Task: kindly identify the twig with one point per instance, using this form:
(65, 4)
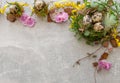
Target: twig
(95, 75)
(89, 54)
(105, 50)
(95, 51)
(78, 61)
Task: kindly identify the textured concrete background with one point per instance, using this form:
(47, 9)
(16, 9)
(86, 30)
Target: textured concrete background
(46, 53)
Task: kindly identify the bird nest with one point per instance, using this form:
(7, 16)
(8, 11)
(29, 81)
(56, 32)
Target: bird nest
(98, 23)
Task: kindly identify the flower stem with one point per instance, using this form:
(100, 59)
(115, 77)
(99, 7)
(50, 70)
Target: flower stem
(95, 75)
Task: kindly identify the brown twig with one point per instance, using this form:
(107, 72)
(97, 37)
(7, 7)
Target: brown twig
(89, 54)
(78, 61)
(95, 51)
(105, 50)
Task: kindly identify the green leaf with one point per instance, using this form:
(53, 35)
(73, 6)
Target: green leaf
(85, 1)
(100, 8)
(86, 33)
(109, 21)
(93, 4)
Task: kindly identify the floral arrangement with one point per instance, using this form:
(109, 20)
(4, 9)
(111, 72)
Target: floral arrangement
(98, 23)
(16, 11)
(60, 11)
(95, 21)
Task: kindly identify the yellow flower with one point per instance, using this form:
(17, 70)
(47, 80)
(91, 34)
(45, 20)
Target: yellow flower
(73, 11)
(80, 6)
(115, 33)
(117, 41)
(73, 4)
(2, 10)
(77, 8)
(23, 4)
(65, 4)
(83, 6)
(55, 3)
(58, 5)
(119, 44)
(70, 3)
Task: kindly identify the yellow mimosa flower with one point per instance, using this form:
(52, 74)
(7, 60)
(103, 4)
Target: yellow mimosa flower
(69, 3)
(119, 44)
(62, 5)
(65, 4)
(117, 40)
(73, 11)
(73, 4)
(57, 5)
(83, 6)
(23, 4)
(4, 8)
(79, 6)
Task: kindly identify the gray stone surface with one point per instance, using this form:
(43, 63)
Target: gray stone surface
(46, 53)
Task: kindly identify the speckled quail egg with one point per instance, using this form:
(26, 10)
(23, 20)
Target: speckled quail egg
(86, 20)
(97, 17)
(39, 4)
(98, 26)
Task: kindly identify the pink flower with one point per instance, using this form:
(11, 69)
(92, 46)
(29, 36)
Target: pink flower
(61, 17)
(27, 20)
(65, 15)
(23, 17)
(103, 64)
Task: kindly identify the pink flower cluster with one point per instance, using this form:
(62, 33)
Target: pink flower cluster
(61, 17)
(27, 20)
(103, 64)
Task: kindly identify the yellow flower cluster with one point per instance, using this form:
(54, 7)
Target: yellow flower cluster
(65, 4)
(115, 33)
(69, 4)
(72, 21)
(118, 42)
(78, 7)
(2, 10)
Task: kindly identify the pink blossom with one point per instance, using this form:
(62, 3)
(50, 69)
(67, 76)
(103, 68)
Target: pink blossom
(23, 17)
(103, 64)
(61, 17)
(27, 20)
